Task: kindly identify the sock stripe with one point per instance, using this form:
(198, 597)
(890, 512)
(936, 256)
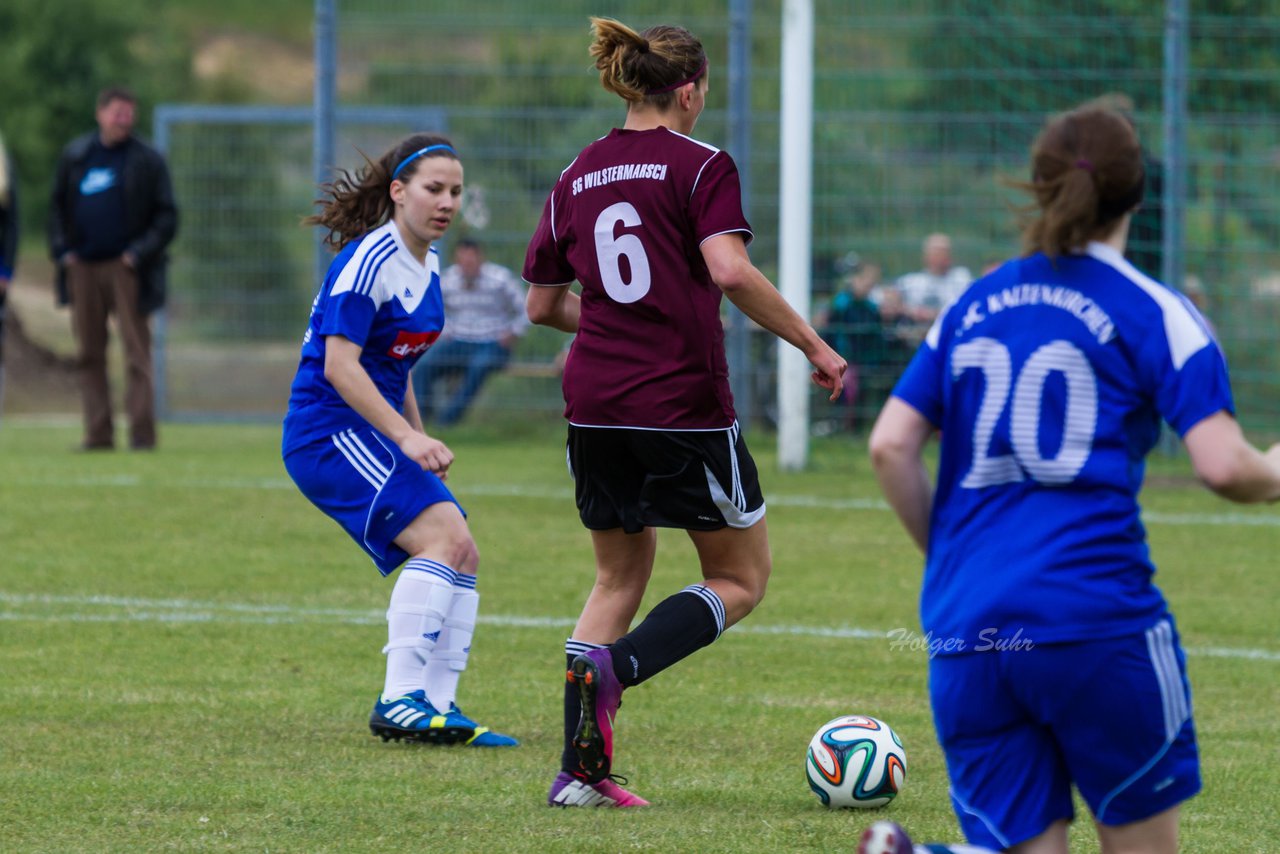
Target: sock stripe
(439, 570)
(577, 647)
(707, 595)
(464, 580)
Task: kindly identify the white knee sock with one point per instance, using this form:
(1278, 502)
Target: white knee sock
(419, 602)
(449, 658)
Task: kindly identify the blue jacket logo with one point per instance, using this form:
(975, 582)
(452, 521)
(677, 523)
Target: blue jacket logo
(97, 181)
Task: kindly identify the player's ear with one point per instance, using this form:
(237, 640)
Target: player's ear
(396, 191)
(685, 94)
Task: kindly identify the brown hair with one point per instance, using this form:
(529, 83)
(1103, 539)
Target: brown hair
(1086, 173)
(358, 203)
(646, 66)
(115, 93)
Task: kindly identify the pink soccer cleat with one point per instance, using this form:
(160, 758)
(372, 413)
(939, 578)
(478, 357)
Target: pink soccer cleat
(570, 791)
(885, 837)
(601, 694)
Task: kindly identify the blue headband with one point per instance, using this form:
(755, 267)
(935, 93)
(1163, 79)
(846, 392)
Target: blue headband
(440, 146)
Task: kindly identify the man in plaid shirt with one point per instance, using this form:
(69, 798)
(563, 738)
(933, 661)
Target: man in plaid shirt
(484, 315)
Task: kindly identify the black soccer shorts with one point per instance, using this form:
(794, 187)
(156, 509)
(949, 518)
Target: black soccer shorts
(698, 480)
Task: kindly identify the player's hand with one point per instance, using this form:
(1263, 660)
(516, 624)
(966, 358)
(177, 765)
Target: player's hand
(1272, 456)
(829, 367)
(432, 454)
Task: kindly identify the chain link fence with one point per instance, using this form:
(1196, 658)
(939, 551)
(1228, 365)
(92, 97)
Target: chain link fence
(923, 108)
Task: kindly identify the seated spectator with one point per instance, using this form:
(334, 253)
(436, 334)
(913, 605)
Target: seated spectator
(926, 292)
(484, 316)
(851, 323)
(855, 328)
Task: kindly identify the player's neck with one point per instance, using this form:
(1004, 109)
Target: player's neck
(1118, 238)
(643, 119)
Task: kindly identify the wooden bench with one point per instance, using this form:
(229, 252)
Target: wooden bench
(532, 369)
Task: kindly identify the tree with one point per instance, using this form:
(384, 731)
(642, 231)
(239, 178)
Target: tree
(58, 55)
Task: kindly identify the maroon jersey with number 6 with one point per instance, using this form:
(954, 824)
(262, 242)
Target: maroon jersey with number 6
(626, 220)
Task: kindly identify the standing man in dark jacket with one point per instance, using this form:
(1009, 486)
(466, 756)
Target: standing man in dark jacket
(112, 215)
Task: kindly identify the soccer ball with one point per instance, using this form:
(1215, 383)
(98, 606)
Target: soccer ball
(856, 761)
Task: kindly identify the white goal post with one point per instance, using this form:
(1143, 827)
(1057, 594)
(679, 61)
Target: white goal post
(795, 216)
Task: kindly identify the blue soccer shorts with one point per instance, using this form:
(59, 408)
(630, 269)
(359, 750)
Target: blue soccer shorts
(1020, 727)
(366, 484)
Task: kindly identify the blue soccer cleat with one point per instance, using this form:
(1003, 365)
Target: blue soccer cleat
(481, 736)
(413, 718)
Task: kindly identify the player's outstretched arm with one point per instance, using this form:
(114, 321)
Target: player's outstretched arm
(1229, 465)
(750, 290)
(897, 445)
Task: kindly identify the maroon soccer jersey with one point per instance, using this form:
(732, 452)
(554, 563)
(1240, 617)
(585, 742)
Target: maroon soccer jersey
(626, 220)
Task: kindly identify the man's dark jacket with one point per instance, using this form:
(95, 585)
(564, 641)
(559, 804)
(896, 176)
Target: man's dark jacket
(151, 217)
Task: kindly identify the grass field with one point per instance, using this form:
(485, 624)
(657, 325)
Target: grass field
(189, 652)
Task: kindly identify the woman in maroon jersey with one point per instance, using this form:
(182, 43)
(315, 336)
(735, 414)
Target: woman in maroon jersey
(650, 222)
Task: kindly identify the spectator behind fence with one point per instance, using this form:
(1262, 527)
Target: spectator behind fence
(111, 218)
(926, 292)
(8, 242)
(484, 304)
(856, 329)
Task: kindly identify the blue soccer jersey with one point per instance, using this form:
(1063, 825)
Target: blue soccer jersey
(377, 295)
(1048, 380)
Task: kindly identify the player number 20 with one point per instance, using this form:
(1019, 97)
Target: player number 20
(611, 249)
(992, 358)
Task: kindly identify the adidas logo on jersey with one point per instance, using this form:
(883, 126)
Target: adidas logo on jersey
(408, 294)
(432, 636)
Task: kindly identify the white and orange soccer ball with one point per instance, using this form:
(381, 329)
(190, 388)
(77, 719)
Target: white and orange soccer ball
(856, 761)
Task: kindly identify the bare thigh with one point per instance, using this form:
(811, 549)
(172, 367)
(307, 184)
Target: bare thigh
(1155, 835)
(440, 533)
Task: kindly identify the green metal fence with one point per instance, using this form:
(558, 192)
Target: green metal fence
(923, 107)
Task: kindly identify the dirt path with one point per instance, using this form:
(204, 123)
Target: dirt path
(39, 363)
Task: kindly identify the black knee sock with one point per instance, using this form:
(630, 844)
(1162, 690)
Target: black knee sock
(677, 627)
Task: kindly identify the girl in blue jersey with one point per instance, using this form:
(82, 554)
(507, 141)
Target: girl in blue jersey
(1057, 661)
(353, 439)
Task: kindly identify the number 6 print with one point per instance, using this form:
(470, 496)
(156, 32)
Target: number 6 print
(609, 249)
(992, 358)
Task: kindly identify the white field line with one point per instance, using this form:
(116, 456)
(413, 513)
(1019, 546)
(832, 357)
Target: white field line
(1151, 517)
(28, 607)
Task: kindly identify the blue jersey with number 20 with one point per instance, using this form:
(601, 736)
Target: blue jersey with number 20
(1048, 380)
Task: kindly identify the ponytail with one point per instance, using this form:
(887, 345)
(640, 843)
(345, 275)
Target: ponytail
(647, 66)
(1086, 173)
